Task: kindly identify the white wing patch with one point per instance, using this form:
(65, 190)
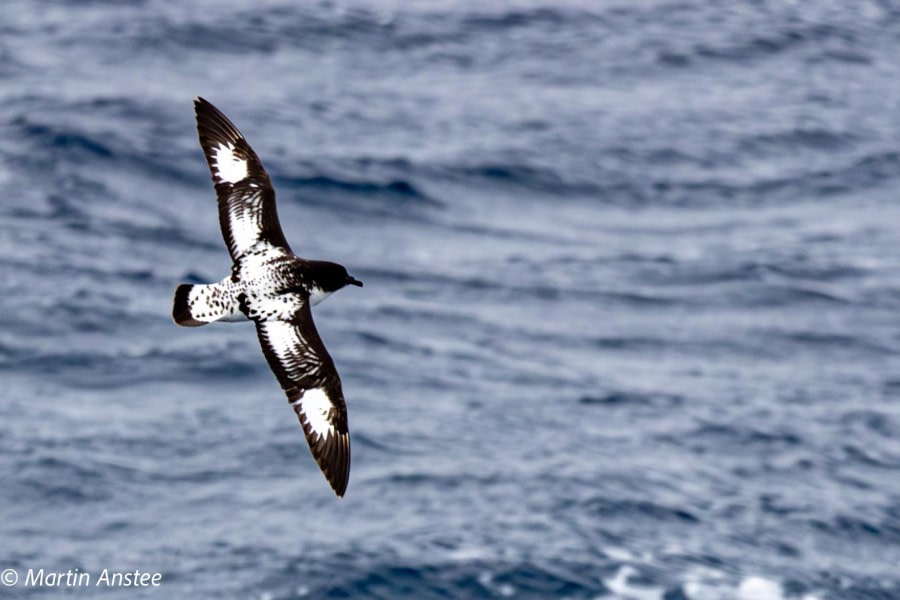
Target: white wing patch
(314, 408)
(229, 167)
(286, 341)
(243, 220)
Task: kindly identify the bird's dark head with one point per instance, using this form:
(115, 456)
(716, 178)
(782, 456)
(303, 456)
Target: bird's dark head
(330, 277)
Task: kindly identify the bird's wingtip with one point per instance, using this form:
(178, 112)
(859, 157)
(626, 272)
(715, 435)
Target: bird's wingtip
(201, 103)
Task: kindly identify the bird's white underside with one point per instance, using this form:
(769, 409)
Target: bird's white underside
(214, 302)
(316, 295)
(229, 167)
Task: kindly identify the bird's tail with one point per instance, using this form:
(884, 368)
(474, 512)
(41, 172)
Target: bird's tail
(197, 305)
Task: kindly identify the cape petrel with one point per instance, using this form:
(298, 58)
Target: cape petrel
(275, 289)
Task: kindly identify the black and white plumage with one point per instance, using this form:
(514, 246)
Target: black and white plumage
(275, 289)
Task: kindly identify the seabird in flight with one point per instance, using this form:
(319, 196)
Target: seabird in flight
(275, 289)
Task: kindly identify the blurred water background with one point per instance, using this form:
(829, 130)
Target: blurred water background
(630, 319)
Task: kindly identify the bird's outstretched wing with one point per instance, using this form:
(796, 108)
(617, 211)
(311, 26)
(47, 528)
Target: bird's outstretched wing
(246, 199)
(304, 369)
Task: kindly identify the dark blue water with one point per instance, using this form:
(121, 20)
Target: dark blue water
(629, 329)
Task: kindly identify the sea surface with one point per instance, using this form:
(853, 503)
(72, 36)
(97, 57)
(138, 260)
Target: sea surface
(630, 326)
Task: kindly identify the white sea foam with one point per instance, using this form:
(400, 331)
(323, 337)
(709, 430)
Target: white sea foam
(758, 588)
(622, 588)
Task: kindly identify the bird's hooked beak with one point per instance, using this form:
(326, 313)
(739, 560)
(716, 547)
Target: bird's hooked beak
(352, 281)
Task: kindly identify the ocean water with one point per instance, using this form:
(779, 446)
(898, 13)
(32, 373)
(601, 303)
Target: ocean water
(630, 326)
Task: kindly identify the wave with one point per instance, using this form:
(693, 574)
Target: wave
(88, 366)
(518, 175)
(69, 141)
(462, 578)
(793, 140)
(868, 422)
(607, 508)
(742, 436)
(58, 481)
(396, 198)
(852, 174)
(780, 40)
(380, 28)
(847, 528)
(627, 398)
